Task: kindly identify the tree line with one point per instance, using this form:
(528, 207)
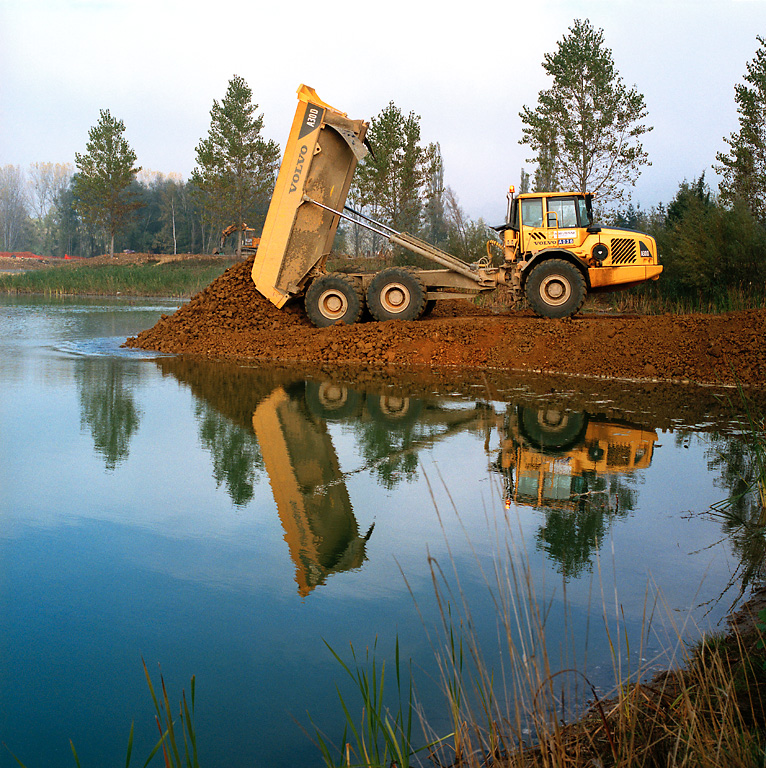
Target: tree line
(584, 133)
(106, 202)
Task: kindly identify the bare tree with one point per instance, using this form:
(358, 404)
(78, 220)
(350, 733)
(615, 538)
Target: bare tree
(14, 213)
(46, 182)
(466, 238)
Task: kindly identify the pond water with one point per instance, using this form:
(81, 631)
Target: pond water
(231, 522)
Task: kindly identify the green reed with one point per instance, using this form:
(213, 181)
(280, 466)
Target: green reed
(172, 279)
(710, 711)
(173, 733)
(380, 736)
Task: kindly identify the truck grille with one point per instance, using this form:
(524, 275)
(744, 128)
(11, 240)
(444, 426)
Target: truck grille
(623, 251)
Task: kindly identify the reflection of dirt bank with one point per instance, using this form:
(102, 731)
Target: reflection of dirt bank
(230, 320)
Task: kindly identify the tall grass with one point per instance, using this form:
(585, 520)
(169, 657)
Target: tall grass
(654, 300)
(651, 300)
(172, 279)
(383, 734)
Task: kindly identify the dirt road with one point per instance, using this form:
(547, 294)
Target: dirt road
(230, 320)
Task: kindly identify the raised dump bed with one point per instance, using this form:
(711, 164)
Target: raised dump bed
(321, 155)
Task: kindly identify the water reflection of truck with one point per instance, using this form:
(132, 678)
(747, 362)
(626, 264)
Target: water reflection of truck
(551, 456)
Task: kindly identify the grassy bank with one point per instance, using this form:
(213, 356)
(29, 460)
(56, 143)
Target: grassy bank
(185, 277)
(709, 713)
(176, 279)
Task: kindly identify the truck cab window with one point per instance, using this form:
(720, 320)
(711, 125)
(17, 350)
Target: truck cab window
(583, 212)
(564, 208)
(532, 212)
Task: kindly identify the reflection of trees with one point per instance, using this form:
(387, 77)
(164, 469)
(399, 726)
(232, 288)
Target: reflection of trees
(107, 407)
(236, 456)
(226, 396)
(393, 430)
(392, 455)
(572, 536)
(742, 513)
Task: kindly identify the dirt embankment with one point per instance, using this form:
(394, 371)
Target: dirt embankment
(230, 320)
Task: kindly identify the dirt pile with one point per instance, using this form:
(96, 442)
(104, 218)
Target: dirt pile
(231, 320)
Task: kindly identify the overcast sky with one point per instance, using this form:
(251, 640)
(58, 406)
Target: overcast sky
(466, 68)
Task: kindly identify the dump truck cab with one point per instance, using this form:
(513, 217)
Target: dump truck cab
(551, 456)
(562, 255)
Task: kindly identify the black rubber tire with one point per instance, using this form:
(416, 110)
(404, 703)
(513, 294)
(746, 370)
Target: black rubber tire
(332, 401)
(555, 288)
(552, 429)
(428, 308)
(334, 298)
(396, 294)
(394, 411)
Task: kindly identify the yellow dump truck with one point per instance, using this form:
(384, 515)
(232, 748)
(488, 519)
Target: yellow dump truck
(552, 252)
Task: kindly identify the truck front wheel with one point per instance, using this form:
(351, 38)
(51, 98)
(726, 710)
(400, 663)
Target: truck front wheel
(555, 288)
(552, 428)
(396, 294)
(334, 298)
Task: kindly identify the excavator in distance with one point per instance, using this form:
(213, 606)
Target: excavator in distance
(553, 254)
(249, 240)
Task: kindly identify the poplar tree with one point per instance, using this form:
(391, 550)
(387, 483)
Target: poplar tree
(105, 173)
(434, 216)
(236, 166)
(744, 167)
(585, 129)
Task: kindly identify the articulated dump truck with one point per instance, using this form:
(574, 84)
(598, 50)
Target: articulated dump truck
(551, 251)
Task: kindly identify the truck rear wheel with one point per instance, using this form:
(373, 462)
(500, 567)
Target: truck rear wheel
(334, 298)
(393, 411)
(555, 288)
(396, 294)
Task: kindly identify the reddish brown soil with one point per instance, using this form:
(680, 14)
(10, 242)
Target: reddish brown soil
(230, 320)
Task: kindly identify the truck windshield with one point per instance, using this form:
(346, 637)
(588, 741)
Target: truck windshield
(532, 212)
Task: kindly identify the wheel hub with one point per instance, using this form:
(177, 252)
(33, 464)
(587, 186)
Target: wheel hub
(395, 298)
(555, 290)
(332, 395)
(333, 304)
(394, 406)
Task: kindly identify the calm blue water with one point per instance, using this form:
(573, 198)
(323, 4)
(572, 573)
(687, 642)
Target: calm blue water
(228, 522)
